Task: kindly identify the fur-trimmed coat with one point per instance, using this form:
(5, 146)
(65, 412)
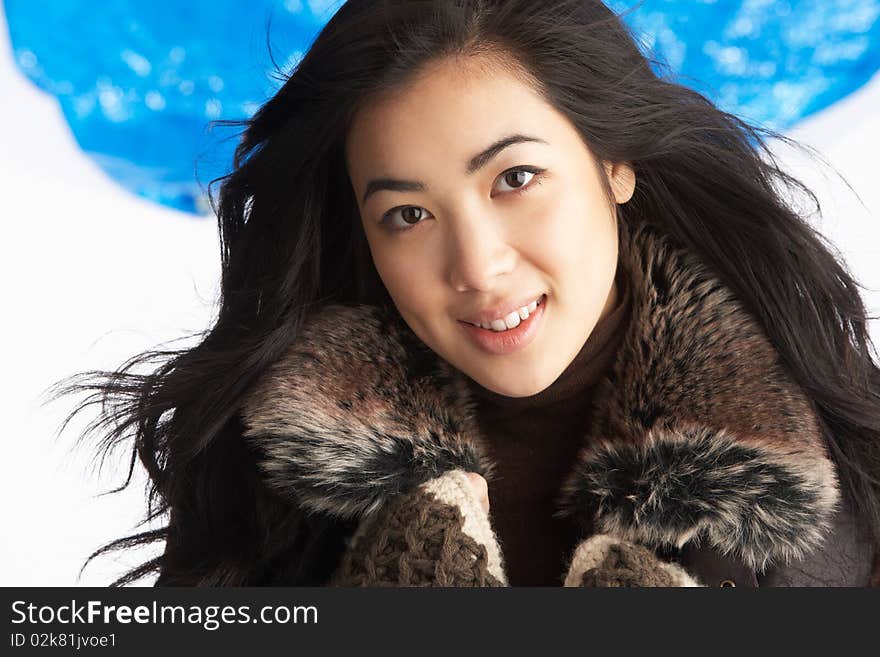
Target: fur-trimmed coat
(704, 465)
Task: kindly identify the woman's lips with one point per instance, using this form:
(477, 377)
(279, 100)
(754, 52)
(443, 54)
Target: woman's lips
(511, 340)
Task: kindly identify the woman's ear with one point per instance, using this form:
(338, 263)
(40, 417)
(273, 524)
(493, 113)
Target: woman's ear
(622, 179)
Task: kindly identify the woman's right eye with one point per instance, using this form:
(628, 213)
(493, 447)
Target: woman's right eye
(410, 215)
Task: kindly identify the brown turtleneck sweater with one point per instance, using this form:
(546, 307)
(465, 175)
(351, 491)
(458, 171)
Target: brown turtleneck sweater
(534, 441)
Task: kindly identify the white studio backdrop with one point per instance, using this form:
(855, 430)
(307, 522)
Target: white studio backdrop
(92, 275)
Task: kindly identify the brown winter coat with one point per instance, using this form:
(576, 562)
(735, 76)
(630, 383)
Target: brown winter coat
(704, 464)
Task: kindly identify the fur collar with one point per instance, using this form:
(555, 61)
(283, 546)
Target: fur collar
(698, 433)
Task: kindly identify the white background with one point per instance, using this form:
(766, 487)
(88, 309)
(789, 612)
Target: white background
(92, 275)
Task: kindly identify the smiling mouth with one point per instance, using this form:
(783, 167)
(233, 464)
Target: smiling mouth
(509, 340)
(528, 310)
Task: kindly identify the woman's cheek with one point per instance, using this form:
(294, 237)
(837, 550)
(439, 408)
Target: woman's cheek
(554, 241)
(407, 277)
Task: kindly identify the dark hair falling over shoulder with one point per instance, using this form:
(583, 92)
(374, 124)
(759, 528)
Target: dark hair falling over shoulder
(291, 239)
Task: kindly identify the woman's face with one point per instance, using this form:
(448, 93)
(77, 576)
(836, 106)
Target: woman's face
(457, 227)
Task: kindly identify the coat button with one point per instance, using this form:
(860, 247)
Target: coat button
(727, 582)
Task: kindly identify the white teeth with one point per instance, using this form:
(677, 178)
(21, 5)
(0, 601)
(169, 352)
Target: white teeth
(512, 319)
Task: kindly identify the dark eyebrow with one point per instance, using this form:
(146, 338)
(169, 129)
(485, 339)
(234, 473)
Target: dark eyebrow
(392, 185)
(477, 162)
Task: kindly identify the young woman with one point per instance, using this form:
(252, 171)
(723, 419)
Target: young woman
(501, 306)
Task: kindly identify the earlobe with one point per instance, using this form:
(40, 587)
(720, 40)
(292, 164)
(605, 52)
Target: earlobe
(623, 181)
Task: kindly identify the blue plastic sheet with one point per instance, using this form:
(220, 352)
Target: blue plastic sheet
(138, 82)
(771, 62)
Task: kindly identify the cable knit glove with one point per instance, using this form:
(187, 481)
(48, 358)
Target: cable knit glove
(435, 535)
(603, 560)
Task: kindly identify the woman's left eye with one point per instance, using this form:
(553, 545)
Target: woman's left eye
(518, 179)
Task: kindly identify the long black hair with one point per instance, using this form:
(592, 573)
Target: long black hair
(290, 240)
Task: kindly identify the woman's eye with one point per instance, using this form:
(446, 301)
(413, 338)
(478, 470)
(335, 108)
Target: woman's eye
(405, 217)
(409, 216)
(517, 178)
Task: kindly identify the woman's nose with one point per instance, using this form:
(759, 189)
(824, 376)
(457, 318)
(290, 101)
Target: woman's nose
(478, 254)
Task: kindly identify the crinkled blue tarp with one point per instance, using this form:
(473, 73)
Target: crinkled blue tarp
(139, 81)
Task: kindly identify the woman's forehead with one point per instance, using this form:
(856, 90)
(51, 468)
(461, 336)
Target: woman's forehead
(445, 116)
